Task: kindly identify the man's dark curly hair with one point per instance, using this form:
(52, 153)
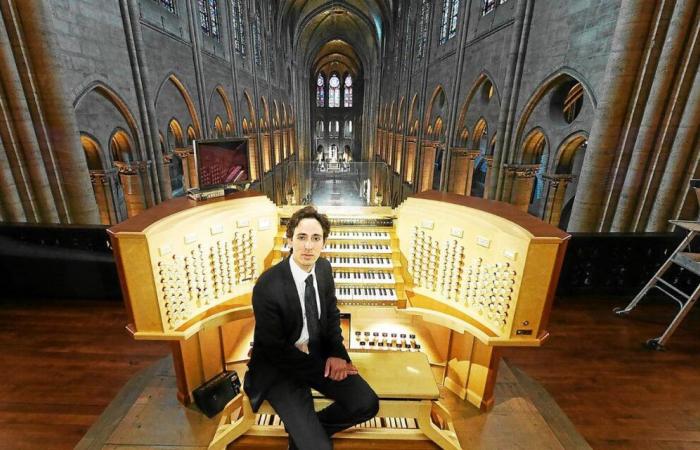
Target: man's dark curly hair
(308, 212)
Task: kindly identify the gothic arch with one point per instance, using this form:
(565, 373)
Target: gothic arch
(480, 135)
(461, 127)
(567, 150)
(187, 98)
(412, 120)
(175, 130)
(436, 106)
(227, 104)
(399, 115)
(250, 125)
(535, 145)
(115, 100)
(93, 151)
(121, 146)
(551, 82)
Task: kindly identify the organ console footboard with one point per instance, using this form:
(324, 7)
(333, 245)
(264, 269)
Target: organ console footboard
(453, 277)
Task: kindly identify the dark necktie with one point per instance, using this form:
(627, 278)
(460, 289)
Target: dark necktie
(312, 322)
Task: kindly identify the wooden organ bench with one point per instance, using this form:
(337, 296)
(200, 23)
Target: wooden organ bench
(407, 394)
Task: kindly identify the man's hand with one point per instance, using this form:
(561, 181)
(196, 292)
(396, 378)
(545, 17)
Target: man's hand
(337, 369)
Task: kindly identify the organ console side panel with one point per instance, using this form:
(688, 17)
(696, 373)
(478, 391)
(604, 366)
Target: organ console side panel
(187, 269)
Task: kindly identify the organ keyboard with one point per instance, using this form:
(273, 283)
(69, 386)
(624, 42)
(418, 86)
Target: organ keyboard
(364, 277)
(462, 276)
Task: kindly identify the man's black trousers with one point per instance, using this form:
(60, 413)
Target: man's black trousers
(355, 402)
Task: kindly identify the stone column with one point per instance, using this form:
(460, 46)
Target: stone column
(681, 165)
(518, 181)
(654, 138)
(459, 171)
(40, 137)
(254, 163)
(183, 154)
(166, 182)
(398, 152)
(131, 177)
(285, 139)
(617, 87)
(389, 148)
(411, 145)
(277, 144)
(489, 175)
(104, 184)
(556, 192)
(426, 165)
(266, 152)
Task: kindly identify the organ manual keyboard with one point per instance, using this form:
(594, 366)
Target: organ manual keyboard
(455, 278)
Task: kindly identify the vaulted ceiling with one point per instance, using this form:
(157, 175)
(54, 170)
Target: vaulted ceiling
(341, 34)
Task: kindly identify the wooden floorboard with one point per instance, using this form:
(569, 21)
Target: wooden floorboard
(65, 361)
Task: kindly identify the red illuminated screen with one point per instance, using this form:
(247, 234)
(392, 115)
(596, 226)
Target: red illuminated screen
(222, 162)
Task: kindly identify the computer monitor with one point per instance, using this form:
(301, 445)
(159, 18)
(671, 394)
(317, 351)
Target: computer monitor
(221, 162)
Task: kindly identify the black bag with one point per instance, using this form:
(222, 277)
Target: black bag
(212, 396)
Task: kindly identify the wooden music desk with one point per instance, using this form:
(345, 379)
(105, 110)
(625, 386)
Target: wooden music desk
(404, 384)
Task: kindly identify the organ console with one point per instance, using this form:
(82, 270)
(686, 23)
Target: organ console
(453, 277)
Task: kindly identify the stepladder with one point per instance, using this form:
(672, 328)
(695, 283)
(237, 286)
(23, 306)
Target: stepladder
(684, 257)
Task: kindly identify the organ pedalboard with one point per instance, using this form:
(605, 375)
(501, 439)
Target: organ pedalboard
(453, 277)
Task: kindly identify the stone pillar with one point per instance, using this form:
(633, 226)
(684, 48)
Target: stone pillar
(166, 182)
(459, 171)
(489, 175)
(266, 152)
(104, 184)
(654, 138)
(41, 140)
(390, 148)
(183, 154)
(556, 185)
(285, 143)
(427, 165)
(398, 152)
(411, 146)
(131, 177)
(617, 87)
(518, 181)
(254, 163)
(673, 187)
(378, 137)
(277, 144)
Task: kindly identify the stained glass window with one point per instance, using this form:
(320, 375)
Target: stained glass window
(214, 17)
(487, 6)
(203, 16)
(334, 92)
(347, 129)
(448, 26)
(320, 91)
(239, 37)
(422, 31)
(257, 38)
(168, 4)
(347, 95)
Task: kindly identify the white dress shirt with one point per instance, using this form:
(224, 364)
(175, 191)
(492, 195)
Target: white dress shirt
(300, 276)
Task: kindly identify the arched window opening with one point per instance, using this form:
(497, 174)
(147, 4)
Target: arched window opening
(191, 135)
(169, 5)
(334, 91)
(422, 32)
(175, 134)
(219, 127)
(347, 129)
(257, 38)
(448, 26)
(347, 95)
(319, 128)
(573, 102)
(487, 6)
(239, 36)
(120, 147)
(481, 131)
(92, 152)
(209, 17)
(320, 85)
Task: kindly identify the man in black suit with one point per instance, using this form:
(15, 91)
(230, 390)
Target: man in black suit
(298, 344)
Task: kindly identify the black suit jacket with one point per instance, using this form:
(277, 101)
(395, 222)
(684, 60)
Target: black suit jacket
(278, 324)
